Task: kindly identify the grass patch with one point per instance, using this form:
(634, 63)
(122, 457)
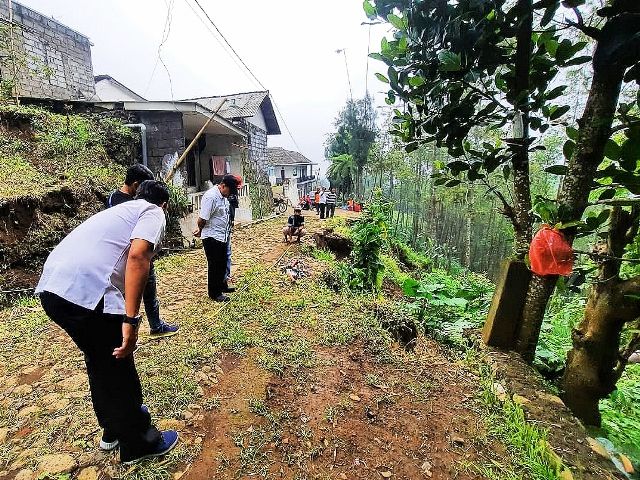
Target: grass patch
(18, 177)
(621, 413)
(530, 455)
(322, 254)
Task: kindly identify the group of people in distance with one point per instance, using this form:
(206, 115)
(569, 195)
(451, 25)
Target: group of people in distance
(95, 279)
(324, 202)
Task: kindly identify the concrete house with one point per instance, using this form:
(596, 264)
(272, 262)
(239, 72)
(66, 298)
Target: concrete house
(291, 170)
(56, 70)
(235, 141)
(44, 58)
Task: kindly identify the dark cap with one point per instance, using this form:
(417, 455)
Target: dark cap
(233, 182)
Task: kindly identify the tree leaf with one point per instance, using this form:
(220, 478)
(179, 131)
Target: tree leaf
(458, 165)
(612, 150)
(416, 81)
(578, 61)
(382, 78)
(452, 183)
(396, 21)
(449, 61)
(607, 194)
(556, 169)
(572, 133)
(410, 287)
(369, 10)
(558, 112)
(568, 149)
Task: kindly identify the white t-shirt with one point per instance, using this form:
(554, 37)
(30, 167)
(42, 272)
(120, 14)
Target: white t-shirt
(90, 262)
(323, 197)
(214, 208)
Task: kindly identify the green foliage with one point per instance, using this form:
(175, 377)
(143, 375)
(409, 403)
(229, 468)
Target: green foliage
(563, 314)
(322, 254)
(343, 172)
(350, 145)
(177, 210)
(368, 234)
(408, 256)
(42, 151)
(446, 305)
(392, 270)
(621, 413)
(18, 177)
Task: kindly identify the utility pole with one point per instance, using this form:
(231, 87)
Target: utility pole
(346, 65)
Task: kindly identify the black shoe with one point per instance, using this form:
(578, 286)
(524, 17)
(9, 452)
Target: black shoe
(221, 298)
(168, 441)
(228, 289)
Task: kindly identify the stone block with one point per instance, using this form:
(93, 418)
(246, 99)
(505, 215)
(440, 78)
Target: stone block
(506, 307)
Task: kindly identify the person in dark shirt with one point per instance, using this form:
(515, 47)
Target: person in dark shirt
(233, 204)
(136, 174)
(295, 226)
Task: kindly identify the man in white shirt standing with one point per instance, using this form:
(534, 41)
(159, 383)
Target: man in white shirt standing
(213, 228)
(323, 202)
(91, 285)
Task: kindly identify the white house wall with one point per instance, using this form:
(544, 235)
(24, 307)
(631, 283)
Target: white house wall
(258, 120)
(107, 91)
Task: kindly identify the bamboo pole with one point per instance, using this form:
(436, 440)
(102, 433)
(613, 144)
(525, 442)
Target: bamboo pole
(173, 170)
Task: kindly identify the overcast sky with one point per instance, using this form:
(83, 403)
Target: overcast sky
(290, 45)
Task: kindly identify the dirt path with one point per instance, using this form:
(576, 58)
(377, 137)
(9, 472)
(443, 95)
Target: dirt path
(290, 380)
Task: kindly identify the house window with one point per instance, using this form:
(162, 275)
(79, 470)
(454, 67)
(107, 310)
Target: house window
(272, 172)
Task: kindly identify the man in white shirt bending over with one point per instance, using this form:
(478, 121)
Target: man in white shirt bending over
(91, 285)
(213, 228)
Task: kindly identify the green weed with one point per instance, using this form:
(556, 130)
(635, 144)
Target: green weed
(530, 455)
(621, 413)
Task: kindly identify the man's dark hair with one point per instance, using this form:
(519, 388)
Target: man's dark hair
(153, 191)
(138, 173)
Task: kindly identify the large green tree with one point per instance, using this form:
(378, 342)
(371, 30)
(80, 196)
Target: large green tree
(460, 65)
(354, 136)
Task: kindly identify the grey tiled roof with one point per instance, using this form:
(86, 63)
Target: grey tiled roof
(280, 156)
(238, 105)
(243, 105)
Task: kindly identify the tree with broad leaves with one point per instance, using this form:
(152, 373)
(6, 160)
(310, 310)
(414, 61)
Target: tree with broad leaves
(355, 134)
(459, 65)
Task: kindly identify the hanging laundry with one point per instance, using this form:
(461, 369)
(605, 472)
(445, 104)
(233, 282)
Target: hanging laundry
(218, 164)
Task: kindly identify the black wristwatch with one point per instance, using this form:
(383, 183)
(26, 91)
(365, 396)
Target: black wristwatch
(132, 320)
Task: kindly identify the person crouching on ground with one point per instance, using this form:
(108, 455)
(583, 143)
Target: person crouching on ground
(91, 285)
(136, 174)
(213, 228)
(295, 226)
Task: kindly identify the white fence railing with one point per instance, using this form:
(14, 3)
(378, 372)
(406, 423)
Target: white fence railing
(196, 198)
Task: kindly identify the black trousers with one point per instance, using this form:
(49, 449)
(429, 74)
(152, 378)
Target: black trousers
(322, 209)
(114, 383)
(216, 253)
(331, 209)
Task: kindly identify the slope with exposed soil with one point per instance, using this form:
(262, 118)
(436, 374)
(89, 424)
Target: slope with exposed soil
(289, 380)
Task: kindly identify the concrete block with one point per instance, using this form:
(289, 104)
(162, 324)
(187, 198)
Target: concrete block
(506, 308)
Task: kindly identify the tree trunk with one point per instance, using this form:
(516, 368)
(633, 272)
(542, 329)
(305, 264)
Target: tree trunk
(573, 196)
(595, 364)
(467, 243)
(596, 341)
(520, 99)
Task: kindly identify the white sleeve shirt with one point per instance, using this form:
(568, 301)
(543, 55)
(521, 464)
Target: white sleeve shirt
(214, 209)
(323, 197)
(89, 264)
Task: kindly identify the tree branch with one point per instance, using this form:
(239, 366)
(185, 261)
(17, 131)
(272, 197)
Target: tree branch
(507, 210)
(587, 30)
